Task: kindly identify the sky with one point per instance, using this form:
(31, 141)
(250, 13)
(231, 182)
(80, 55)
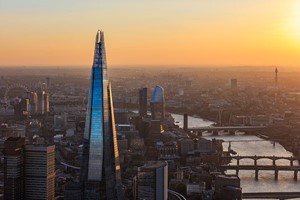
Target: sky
(156, 32)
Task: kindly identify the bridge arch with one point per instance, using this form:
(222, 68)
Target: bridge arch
(248, 159)
(289, 159)
(268, 160)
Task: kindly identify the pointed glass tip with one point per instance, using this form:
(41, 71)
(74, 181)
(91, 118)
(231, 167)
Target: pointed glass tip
(98, 36)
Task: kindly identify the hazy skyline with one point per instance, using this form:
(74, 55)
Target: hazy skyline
(158, 32)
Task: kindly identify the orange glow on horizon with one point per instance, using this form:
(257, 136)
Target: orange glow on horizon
(171, 34)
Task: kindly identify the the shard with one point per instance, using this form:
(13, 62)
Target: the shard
(100, 171)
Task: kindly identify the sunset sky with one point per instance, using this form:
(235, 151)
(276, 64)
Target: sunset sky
(151, 32)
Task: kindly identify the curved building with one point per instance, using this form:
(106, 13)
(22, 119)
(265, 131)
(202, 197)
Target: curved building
(157, 104)
(100, 171)
(152, 181)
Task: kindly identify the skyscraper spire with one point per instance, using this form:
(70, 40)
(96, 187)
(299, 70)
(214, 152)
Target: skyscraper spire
(100, 171)
(100, 54)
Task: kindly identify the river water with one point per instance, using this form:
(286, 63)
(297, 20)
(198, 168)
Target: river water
(192, 121)
(266, 182)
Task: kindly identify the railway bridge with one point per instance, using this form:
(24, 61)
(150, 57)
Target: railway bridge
(255, 167)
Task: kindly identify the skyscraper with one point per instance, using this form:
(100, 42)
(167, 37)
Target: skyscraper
(40, 101)
(157, 104)
(48, 82)
(33, 99)
(233, 83)
(143, 102)
(29, 170)
(46, 103)
(14, 168)
(100, 171)
(152, 181)
(39, 167)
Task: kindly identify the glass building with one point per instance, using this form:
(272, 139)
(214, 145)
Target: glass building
(100, 171)
(152, 181)
(157, 104)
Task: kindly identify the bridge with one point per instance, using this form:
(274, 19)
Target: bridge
(258, 168)
(230, 129)
(255, 158)
(271, 195)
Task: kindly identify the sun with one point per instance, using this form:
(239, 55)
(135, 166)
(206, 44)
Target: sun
(293, 21)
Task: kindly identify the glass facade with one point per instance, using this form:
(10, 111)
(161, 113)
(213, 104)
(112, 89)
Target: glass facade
(157, 104)
(152, 181)
(100, 172)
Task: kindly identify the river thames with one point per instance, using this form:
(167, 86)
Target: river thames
(266, 182)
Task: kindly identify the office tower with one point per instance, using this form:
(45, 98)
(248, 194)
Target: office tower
(233, 83)
(39, 168)
(13, 168)
(48, 82)
(46, 103)
(40, 101)
(157, 104)
(33, 102)
(152, 181)
(185, 121)
(143, 102)
(29, 170)
(155, 130)
(100, 171)
(18, 112)
(25, 104)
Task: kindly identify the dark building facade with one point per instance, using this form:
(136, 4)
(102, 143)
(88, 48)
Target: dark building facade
(143, 102)
(29, 170)
(39, 167)
(100, 171)
(14, 168)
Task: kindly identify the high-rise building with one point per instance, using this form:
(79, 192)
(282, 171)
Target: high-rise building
(185, 121)
(233, 83)
(157, 104)
(46, 103)
(143, 102)
(40, 101)
(100, 171)
(29, 170)
(152, 181)
(48, 82)
(13, 168)
(39, 168)
(33, 102)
